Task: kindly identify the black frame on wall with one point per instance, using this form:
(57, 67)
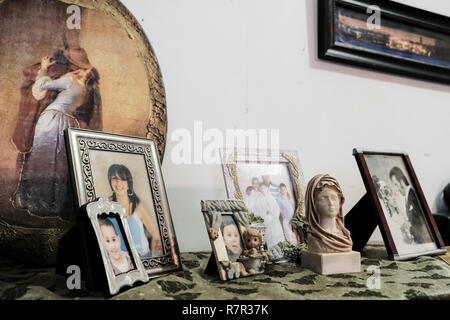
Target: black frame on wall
(408, 17)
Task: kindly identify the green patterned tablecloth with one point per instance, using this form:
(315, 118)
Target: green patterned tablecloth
(421, 278)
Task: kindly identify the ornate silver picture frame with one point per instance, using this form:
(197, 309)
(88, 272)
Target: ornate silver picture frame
(112, 232)
(280, 203)
(127, 170)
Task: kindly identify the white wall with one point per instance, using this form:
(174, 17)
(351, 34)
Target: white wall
(253, 64)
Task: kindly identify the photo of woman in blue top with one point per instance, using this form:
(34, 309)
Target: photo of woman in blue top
(144, 232)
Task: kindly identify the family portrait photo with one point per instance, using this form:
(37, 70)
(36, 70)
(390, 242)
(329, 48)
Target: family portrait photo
(268, 193)
(401, 206)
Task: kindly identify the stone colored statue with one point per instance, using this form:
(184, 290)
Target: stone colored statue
(329, 242)
(324, 200)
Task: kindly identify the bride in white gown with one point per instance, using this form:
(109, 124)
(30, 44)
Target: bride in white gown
(267, 207)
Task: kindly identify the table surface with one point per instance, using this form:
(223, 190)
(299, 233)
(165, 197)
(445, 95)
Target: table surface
(420, 278)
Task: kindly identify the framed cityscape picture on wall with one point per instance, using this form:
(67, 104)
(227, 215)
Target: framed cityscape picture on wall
(398, 202)
(385, 36)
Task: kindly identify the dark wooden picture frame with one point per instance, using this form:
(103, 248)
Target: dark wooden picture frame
(377, 209)
(392, 60)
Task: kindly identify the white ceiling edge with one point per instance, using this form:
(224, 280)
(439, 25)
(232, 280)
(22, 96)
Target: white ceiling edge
(436, 6)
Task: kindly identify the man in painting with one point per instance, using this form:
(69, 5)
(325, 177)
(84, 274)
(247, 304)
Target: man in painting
(57, 198)
(402, 187)
(273, 188)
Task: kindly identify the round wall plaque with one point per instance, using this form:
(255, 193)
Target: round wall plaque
(78, 63)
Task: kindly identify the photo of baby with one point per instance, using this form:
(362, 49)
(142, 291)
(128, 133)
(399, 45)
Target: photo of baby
(231, 237)
(120, 260)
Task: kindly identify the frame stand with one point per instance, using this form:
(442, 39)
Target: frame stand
(361, 221)
(211, 267)
(77, 248)
(332, 263)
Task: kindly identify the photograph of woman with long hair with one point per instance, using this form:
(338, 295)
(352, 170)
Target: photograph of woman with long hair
(144, 231)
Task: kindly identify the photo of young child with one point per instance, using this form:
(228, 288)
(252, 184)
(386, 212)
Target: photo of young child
(112, 237)
(232, 238)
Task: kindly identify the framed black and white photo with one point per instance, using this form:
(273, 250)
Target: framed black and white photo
(385, 36)
(271, 186)
(126, 170)
(406, 223)
(122, 264)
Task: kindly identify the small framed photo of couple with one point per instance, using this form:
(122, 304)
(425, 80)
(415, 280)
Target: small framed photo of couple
(122, 264)
(405, 220)
(127, 170)
(271, 184)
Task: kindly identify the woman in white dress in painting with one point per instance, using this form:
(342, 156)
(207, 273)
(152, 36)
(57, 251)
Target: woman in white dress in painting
(267, 207)
(44, 186)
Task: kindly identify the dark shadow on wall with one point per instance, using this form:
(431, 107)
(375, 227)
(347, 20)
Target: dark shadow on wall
(439, 200)
(315, 63)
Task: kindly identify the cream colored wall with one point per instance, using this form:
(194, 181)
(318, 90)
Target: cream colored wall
(253, 64)
(123, 82)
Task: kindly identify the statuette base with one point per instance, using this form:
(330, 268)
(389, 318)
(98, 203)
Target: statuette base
(332, 263)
